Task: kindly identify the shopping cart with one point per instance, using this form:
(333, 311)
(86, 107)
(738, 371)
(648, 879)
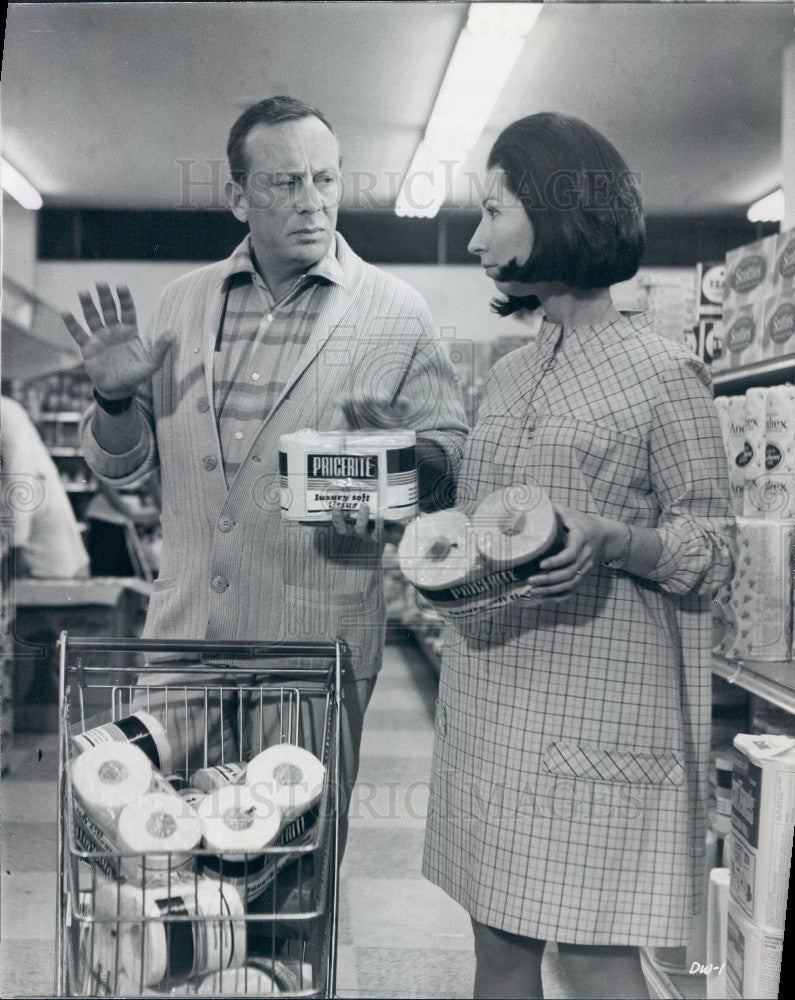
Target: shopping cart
(263, 923)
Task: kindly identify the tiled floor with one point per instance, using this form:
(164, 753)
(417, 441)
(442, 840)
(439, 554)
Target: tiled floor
(400, 936)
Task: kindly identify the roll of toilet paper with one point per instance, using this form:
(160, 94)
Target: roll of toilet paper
(717, 930)
(438, 550)
(777, 482)
(731, 414)
(754, 454)
(134, 947)
(142, 729)
(210, 779)
(162, 826)
(324, 469)
(237, 820)
(108, 776)
(249, 980)
(515, 525)
(291, 777)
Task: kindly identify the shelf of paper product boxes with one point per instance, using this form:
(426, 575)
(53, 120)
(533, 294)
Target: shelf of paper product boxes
(773, 681)
(774, 371)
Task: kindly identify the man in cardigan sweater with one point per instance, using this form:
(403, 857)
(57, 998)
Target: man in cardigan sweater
(293, 330)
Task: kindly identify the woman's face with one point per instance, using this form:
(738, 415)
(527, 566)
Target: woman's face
(505, 234)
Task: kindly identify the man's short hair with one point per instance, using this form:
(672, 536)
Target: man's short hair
(580, 196)
(270, 111)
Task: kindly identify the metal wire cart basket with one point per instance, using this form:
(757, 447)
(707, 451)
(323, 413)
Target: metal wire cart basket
(197, 921)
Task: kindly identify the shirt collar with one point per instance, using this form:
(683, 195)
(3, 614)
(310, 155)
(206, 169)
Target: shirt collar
(328, 268)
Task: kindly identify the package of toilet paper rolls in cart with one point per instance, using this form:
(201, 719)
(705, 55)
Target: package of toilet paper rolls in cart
(319, 470)
(763, 818)
(465, 566)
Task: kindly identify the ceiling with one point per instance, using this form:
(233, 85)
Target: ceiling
(117, 105)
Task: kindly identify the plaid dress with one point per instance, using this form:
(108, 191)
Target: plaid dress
(569, 786)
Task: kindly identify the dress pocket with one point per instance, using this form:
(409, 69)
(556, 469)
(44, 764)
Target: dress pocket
(615, 764)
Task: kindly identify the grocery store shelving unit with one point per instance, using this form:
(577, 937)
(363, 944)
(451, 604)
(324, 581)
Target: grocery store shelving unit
(774, 371)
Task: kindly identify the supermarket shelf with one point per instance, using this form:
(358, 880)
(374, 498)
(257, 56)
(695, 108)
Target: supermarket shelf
(664, 985)
(771, 372)
(775, 682)
(59, 452)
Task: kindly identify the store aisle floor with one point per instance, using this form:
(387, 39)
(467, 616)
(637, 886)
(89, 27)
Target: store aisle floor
(399, 935)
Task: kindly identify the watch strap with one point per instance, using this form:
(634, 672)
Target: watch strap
(113, 406)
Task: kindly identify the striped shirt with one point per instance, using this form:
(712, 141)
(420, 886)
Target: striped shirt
(261, 342)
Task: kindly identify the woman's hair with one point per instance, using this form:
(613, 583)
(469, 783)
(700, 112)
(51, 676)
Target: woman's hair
(581, 198)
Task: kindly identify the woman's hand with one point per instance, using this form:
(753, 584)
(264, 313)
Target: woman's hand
(586, 537)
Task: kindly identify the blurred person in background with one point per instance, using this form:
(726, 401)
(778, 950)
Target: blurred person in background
(44, 537)
(293, 330)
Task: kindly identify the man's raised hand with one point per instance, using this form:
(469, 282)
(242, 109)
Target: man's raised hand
(116, 359)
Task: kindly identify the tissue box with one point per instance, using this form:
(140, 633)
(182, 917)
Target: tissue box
(753, 959)
(748, 283)
(761, 591)
(763, 815)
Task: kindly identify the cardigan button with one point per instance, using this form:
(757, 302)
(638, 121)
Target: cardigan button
(219, 584)
(209, 462)
(203, 405)
(225, 523)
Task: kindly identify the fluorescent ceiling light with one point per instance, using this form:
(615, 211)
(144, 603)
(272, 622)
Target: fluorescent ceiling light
(482, 60)
(768, 209)
(18, 186)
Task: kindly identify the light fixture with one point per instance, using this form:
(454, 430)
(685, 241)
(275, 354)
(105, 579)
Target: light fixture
(19, 187)
(768, 209)
(482, 60)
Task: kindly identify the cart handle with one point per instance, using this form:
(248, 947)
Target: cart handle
(239, 649)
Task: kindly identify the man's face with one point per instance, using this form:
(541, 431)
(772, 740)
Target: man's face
(291, 192)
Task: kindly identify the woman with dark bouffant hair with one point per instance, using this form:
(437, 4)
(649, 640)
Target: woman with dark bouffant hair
(569, 777)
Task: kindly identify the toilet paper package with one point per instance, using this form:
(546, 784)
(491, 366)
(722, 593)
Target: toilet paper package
(778, 330)
(717, 932)
(761, 591)
(135, 947)
(161, 831)
(748, 282)
(776, 484)
(464, 567)
(319, 470)
(210, 779)
(731, 415)
(783, 278)
(142, 729)
(763, 817)
(753, 958)
(754, 450)
(115, 779)
(260, 977)
(108, 776)
(289, 776)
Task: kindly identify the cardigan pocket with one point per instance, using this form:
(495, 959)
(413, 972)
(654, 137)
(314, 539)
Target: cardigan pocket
(615, 764)
(164, 583)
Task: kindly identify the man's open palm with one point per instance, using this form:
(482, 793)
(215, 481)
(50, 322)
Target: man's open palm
(116, 359)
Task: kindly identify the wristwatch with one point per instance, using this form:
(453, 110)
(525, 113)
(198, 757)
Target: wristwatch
(113, 406)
